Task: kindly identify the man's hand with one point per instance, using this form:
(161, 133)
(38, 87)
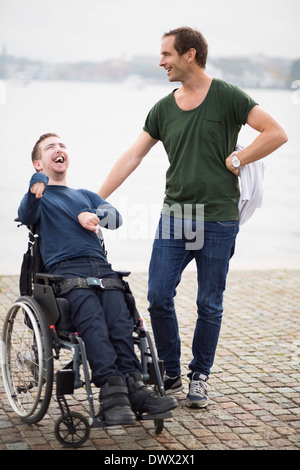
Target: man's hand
(89, 221)
(38, 189)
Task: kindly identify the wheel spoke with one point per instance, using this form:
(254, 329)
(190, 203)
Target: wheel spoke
(27, 361)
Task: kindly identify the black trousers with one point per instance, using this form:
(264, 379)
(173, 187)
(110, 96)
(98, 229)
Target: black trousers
(102, 320)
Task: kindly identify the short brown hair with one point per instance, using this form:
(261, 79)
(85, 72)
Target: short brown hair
(187, 38)
(35, 154)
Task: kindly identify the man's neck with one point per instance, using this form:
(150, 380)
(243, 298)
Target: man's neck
(193, 90)
(197, 80)
(57, 181)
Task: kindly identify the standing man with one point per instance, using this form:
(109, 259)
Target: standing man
(198, 124)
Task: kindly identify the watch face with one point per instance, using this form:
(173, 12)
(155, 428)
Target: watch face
(235, 162)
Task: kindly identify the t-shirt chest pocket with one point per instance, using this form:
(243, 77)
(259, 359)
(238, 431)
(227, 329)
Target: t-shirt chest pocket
(213, 130)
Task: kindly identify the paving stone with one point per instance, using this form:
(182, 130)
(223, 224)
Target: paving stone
(254, 387)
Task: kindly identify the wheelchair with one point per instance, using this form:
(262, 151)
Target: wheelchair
(37, 338)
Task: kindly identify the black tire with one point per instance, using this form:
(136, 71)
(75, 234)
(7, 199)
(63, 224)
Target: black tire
(27, 362)
(73, 430)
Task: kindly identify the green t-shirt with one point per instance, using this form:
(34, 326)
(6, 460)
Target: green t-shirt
(197, 143)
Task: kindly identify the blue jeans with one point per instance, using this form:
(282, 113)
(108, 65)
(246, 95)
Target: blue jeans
(170, 257)
(101, 319)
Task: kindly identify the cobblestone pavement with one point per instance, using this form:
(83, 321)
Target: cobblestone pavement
(254, 389)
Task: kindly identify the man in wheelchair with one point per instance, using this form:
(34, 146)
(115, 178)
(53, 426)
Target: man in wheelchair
(67, 221)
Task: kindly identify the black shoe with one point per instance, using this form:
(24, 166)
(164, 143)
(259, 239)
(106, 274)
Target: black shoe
(145, 400)
(172, 384)
(114, 403)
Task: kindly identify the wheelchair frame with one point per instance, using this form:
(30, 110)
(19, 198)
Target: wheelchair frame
(30, 345)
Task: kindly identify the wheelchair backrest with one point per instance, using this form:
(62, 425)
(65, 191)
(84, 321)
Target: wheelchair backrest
(32, 283)
(32, 263)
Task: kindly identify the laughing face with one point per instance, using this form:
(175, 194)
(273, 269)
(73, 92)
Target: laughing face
(174, 65)
(54, 158)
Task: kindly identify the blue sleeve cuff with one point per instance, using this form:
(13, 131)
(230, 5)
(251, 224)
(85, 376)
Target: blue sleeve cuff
(87, 209)
(38, 177)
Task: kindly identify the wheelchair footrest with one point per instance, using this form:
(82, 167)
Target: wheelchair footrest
(148, 417)
(100, 423)
(97, 422)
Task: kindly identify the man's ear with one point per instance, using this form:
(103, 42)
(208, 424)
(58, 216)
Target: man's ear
(38, 165)
(191, 54)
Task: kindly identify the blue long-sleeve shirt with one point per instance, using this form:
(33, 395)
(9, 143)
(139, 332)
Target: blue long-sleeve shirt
(55, 217)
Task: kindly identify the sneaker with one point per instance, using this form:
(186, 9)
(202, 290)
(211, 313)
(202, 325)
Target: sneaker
(197, 396)
(172, 384)
(145, 400)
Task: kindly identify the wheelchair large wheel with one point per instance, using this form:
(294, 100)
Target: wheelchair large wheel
(27, 361)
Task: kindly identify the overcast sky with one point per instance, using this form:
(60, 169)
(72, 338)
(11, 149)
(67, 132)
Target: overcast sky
(96, 30)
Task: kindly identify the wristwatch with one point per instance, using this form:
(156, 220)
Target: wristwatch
(235, 161)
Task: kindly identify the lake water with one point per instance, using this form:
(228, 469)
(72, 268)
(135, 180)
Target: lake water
(98, 122)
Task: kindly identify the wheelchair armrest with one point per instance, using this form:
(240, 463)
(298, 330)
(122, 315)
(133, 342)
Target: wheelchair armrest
(123, 273)
(48, 278)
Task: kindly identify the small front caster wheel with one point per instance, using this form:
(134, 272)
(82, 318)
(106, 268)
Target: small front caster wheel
(72, 430)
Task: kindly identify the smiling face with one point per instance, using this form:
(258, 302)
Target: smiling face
(171, 61)
(53, 159)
